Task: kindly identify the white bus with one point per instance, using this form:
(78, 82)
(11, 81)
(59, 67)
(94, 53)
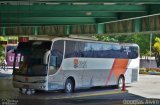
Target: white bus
(69, 64)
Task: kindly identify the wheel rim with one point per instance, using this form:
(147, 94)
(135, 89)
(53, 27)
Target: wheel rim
(69, 87)
(120, 84)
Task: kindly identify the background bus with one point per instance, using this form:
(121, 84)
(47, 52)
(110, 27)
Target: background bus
(10, 54)
(66, 63)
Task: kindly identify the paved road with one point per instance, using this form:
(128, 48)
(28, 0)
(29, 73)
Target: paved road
(148, 86)
(96, 96)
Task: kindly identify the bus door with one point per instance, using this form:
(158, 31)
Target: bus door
(56, 57)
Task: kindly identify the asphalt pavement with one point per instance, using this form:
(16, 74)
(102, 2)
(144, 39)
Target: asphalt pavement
(148, 86)
(144, 92)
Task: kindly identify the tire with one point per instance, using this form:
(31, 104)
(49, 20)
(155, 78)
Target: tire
(121, 80)
(69, 86)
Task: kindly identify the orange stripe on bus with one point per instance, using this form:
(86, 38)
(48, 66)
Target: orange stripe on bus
(119, 67)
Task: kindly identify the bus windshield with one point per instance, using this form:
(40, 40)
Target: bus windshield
(31, 56)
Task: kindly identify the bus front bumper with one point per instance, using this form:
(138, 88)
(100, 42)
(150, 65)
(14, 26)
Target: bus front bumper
(35, 86)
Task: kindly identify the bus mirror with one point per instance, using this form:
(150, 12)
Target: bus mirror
(45, 59)
(53, 61)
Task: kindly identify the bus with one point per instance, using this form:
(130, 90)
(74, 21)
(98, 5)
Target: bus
(70, 63)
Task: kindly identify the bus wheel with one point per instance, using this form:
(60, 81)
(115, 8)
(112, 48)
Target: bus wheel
(120, 82)
(69, 86)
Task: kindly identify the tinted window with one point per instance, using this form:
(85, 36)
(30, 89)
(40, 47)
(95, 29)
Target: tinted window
(26, 46)
(99, 50)
(31, 58)
(74, 49)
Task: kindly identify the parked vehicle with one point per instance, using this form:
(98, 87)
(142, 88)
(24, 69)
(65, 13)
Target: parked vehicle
(69, 64)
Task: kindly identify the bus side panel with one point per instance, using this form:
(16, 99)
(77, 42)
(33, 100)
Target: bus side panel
(132, 73)
(135, 75)
(70, 70)
(55, 81)
(128, 75)
(76, 75)
(97, 71)
(94, 72)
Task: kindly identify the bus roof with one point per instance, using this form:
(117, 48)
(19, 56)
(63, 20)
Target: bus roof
(75, 38)
(90, 40)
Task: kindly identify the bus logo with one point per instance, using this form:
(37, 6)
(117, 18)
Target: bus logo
(80, 64)
(75, 63)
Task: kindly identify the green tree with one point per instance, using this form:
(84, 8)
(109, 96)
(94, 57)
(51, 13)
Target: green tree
(106, 38)
(156, 51)
(2, 48)
(2, 52)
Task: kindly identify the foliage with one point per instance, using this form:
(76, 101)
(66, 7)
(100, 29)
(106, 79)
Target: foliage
(154, 71)
(156, 45)
(106, 38)
(2, 52)
(156, 49)
(2, 48)
(2, 38)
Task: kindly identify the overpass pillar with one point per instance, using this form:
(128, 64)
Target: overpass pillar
(36, 30)
(68, 29)
(137, 25)
(100, 28)
(3, 31)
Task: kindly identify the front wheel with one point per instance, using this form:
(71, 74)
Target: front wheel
(121, 80)
(69, 86)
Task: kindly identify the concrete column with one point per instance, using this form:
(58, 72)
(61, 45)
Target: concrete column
(3, 31)
(68, 29)
(35, 30)
(100, 28)
(137, 25)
